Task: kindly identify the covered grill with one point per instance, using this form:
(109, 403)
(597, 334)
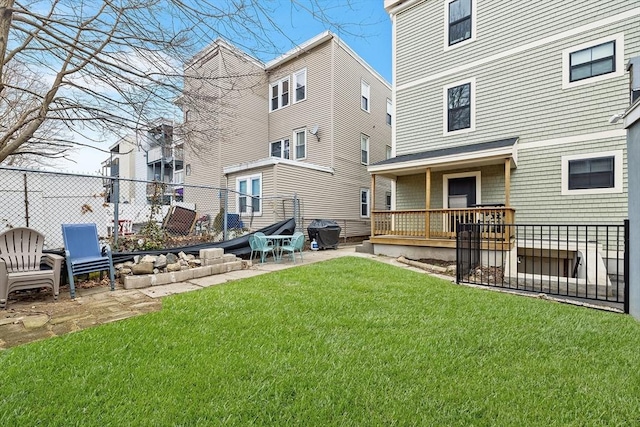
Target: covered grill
(326, 232)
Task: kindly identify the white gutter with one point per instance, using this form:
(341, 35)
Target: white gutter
(271, 161)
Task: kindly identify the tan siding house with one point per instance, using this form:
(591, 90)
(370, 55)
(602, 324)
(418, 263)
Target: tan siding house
(292, 127)
(494, 103)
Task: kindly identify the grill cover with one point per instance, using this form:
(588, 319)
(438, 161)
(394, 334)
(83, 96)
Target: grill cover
(326, 232)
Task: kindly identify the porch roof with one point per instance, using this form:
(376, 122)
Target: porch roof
(485, 153)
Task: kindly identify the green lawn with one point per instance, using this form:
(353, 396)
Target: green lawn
(348, 342)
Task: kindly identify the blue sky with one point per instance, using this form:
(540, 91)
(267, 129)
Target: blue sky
(366, 29)
(363, 24)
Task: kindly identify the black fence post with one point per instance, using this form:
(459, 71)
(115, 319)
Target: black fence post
(626, 266)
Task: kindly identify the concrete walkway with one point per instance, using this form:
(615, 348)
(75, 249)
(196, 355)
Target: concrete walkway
(32, 316)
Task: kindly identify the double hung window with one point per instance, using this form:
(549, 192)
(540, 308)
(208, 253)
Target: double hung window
(364, 149)
(300, 138)
(365, 93)
(280, 94)
(300, 85)
(280, 149)
(459, 21)
(459, 107)
(364, 202)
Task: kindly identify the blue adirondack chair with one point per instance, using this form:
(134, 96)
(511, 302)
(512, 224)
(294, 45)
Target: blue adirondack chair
(83, 254)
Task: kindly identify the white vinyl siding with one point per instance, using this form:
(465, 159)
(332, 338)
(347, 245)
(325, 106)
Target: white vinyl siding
(365, 96)
(300, 85)
(279, 96)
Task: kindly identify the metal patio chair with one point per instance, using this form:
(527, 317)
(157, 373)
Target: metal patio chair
(263, 246)
(82, 249)
(24, 266)
(296, 244)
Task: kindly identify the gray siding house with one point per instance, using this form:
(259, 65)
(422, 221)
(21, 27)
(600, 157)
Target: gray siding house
(307, 123)
(502, 112)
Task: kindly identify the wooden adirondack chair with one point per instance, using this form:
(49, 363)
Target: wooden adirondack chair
(24, 266)
(82, 250)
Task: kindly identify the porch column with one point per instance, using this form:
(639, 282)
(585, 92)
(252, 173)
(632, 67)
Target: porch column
(373, 204)
(427, 217)
(507, 183)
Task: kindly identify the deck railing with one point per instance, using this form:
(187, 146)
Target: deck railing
(442, 222)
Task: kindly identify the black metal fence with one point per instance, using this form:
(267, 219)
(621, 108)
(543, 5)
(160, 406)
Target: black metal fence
(122, 208)
(575, 261)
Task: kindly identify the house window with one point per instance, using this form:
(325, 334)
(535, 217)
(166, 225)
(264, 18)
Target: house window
(459, 107)
(387, 200)
(365, 91)
(364, 149)
(280, 149)
(300, 137)
(249, 194)
(591, 173)
(389, 111)
(364, 202)
(595, 173)
(460, 21)
(280, 94)
(388, 152)
(300, 85)
(594, 61)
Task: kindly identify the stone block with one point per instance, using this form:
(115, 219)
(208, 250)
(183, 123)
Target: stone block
(228, 258)
(233, 266)
(218, 269)
(181, 276)
(212, 261)
(137, 282)
(211, 253)
(201, 271)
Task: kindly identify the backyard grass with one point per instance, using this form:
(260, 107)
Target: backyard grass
(348, 342)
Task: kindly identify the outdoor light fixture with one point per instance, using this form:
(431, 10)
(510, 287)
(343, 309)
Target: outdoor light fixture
(614, 119)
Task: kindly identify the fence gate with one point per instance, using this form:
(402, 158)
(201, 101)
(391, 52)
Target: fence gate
(467, 250)
(587, 262)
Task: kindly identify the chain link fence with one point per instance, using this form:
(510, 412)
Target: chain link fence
(135, 214)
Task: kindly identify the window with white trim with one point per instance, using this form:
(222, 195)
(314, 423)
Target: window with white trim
(389, 111)
(364, 202)
(459, 107)
(594, 173)
(460, 18)
(459, 21)
(364, 149)
(280, 149)
(388, 152)
(249, 196)
(300, 139)
(387, 200)
(365, 93)
(594, 61)
(300, 85)
(279, 94)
